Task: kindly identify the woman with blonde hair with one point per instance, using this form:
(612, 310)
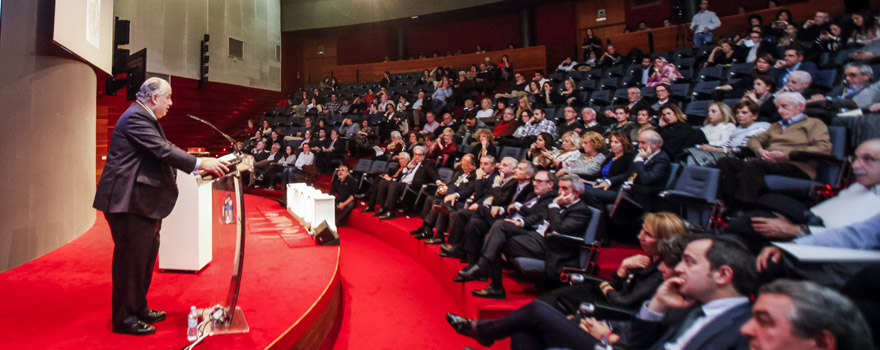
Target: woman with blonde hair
(589, 164)
(524, 105)
(486, 114)
(485, 144)
(719, 124)
(568, 152)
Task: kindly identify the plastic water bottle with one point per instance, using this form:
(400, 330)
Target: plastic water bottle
(192, 325)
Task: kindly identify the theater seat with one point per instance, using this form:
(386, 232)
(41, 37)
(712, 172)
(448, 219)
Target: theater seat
(829, 173)
(695, 195)
(536, 267)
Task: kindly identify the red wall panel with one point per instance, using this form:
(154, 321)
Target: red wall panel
(555, 26)
(366, 43)
(226, 106)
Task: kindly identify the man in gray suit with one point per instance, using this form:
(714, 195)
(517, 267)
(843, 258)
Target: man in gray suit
(136, 191)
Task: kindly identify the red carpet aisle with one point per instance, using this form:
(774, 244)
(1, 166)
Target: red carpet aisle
(390, 301)
(62, 300)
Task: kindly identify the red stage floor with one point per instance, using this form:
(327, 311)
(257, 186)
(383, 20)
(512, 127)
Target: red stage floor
(62, 300)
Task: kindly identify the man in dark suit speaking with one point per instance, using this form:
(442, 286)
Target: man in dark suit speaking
(137, 190)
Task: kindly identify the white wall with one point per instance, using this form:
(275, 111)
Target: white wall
(172, 29)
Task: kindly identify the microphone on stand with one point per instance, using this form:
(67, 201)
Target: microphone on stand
(233, 159)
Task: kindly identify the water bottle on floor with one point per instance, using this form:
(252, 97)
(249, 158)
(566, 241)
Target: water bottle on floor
(192, 325)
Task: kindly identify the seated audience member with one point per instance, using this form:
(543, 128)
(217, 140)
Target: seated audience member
(497, 114)
(638, 276)
(527, 133)
(261, 166)
(333, 105)
(791, 62)
(622, 123)
(549, 97)
(349, 128)
(307, 139)
(395, 145)
(588, 114)
(719, 124)
(609, 57)
(507, 125)
(568, 92)
(570, 122)
(431, 123)
(804, 315)
(677, 134)
(664, 73)
(742, 181)
(300, 169)
(364, 140)
(277, 168)
(540, 325)
(538, 194)
(858, 202)
(512, 183)
(440, 96)
(566, 215)
(525, 104)
(517, 90)
(391, 121)
(800, 82)
(777, 28)
(616, 167)
(320, 142)
(591, 44)
(646, 70)
(723, 54)
(484, 145)
(635, 104)
(762, 95)
(644, 121)
(344, 187)
(569, 150)
(738, 86)
(589, 164)
(468, 129)
(259, 151)
(266, 129)
(486, 114)
(414, 174)
(540, 153)
(663, 95)
(419, 107)
(446, 122)
(274, 137)
(856, 91)
(809, 32)
(463, 182)
(649, 172)
(703, 306)
(249, 130)
(567, 65)
(539, 78)
(865, 28)
(746, 117)
(755, 46)
(447, 148)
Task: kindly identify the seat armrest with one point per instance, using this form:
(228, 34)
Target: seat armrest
(800, 156)
(565, 240)
(682, 196)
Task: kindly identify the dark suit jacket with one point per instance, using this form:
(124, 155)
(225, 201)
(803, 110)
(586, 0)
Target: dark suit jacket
(680, 136)
(426, 173)
(139, 176)
(720, 334)
(652, 174)
(532, 215)
(805, 66)
(452, 188)
(620, 169)
(571, 221)
(261, 155)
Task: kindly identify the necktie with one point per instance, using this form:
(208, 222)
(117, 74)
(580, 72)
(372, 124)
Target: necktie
(689, 321)
(531, 202)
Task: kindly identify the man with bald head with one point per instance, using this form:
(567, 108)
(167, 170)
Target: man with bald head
(650, 170)
(137, 190)
(742, 181)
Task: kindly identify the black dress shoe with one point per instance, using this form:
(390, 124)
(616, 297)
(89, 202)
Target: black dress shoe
(421, 229)
(448, 249)
(424, 235)
(464, 326)
(446, 255)
(378, 213)
(360, 196)
(471, 271)
(489, 292)
(152, 316)
(135, 328)
(435, 240)
(461, 279)
(368, 209)
(387, 216)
